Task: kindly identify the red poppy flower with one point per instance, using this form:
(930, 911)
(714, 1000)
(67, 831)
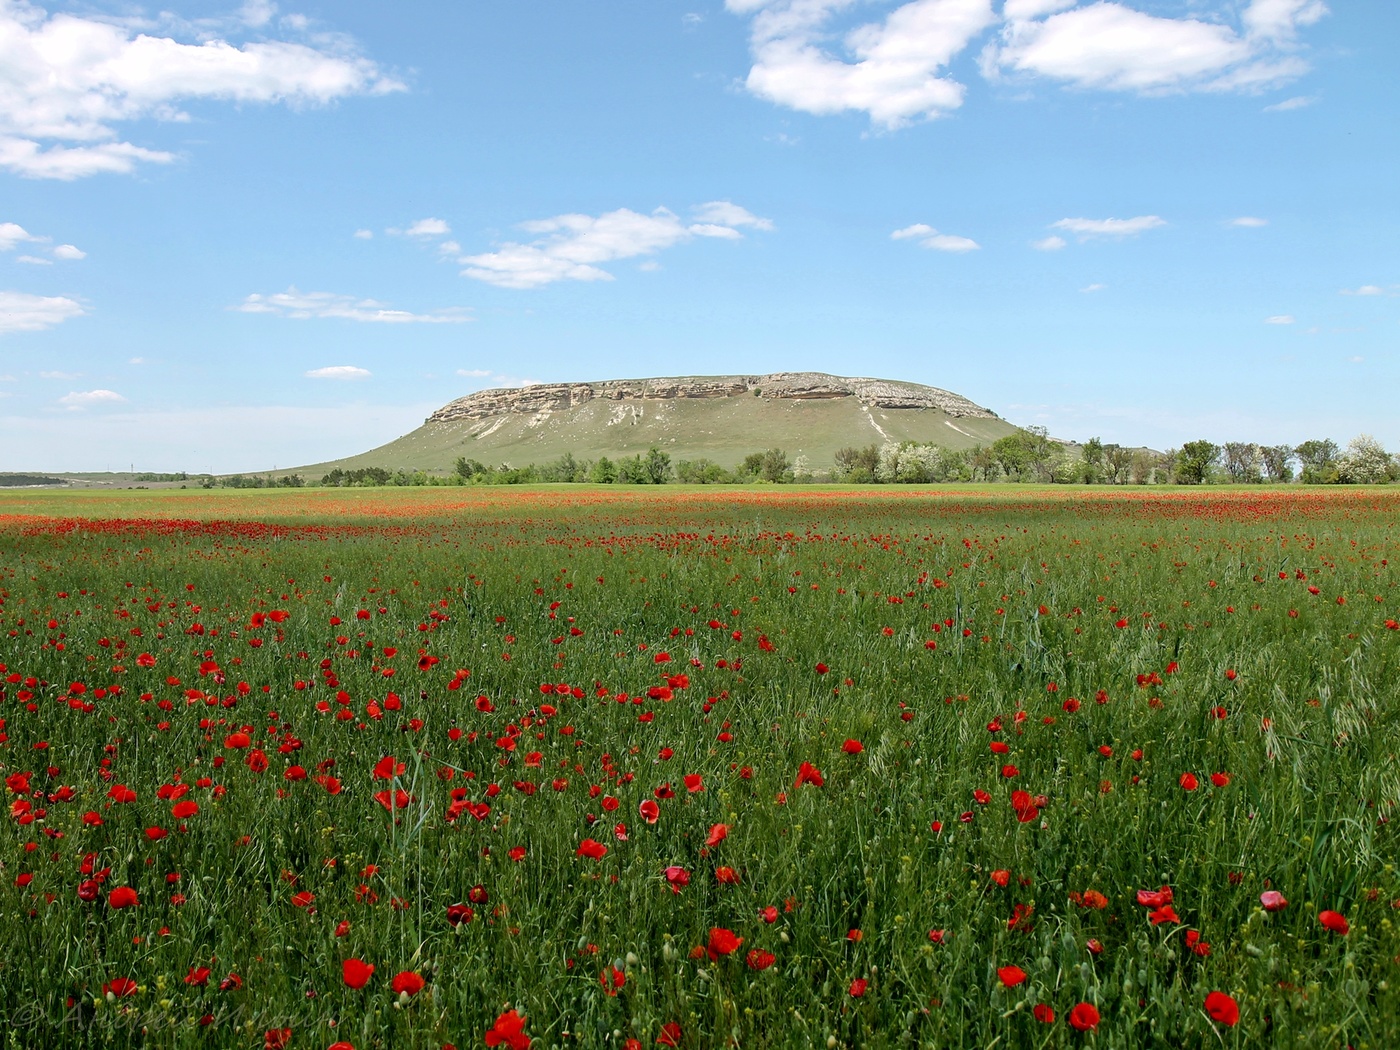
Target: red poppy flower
(649, 810)
(1011, 976)
(277, 1038)
(198, 976)
(1335, 922)
(670, 1035)
(853, 747)
(458, 913)
(386, 768)
(1272, 900)
(1044, 1014)
(613, 980)
(677, 878)
(808, 774)
(304, 899)
(1220, 780)
(119, 987)
(237, 740)
(1154, 898)
(718, 833)
(184, 809)
(122, 897)
(1084, 1017)
(356, 973)
(858, 987)
(121, 793)
(758, 959)
(694, 782)
(406, 981)
(1189, 782)
(722, 942)
(727, 876)
(509, 1030)
(1223, 1009)
(392, 800)
(591, 849)
(1024, 805)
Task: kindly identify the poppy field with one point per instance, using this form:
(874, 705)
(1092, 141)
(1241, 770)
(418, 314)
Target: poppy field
(698, 768)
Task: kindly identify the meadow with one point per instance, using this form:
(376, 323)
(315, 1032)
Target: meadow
(806, 767)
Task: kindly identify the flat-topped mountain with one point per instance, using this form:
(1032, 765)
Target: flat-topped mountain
(721, 418)
(802, 386)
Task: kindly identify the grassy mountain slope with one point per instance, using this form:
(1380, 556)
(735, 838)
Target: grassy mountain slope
(722, 429)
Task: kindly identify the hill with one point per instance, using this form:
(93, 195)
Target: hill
(721, 418)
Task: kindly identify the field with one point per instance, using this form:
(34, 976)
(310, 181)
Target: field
(770, 767)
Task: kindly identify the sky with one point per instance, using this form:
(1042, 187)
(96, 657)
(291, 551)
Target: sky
(241, 237)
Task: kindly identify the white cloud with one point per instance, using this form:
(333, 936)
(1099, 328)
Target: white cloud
(33, 260)
(928, 237)
(474, 373)
(257, 13)
(571, 246)
(1087, 228)
(69, 81)
(1093, 288)
(1111, 46)
(339, 372)
(60, 375)
(887, 69)
(1048, 244)
(21, 312)
(727, 213)
(1356, 360)
(364, 235)
(691, 19)
(424, 228)
(1365, 289)
(1248, 221)
(1280, 319)
(449, 248)
(304, 305)
(69, 252)
(76, 400)
(12, 234)
(1297, 102)
(138, 361)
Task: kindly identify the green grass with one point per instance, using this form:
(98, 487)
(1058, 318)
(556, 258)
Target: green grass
(1034, 583)
(722, 429)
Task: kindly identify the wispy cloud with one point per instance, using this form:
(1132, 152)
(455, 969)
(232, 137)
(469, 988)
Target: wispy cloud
(1248, 222)
(1093, 287)
(76, 400)
(928, 237)
(1297, 102)
(572, 247)
(1048, 244)
(306, 305)
(1281, 319)
(1370, 289)
(424, 228)
(339, 372)
(1085, 229)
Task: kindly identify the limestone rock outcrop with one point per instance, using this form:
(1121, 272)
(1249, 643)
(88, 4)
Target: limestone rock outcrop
(557, 397)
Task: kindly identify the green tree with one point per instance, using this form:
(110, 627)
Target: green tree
(657, 467)
(1275, 459)
(603, 472)
(1092, 456)
(1194, 461)
(1319, 460)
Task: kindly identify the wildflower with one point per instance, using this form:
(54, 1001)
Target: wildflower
(1335, 922)
(406, 982)
(759, 960)
(509, 1030)
(356, 973)
(591, 849)
(1222, 1008)
(722, 942)
(1272, 900)
(808, 774)
(1011, 976)
(1084, 1017)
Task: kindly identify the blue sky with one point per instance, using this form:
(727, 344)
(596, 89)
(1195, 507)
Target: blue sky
(233, 237)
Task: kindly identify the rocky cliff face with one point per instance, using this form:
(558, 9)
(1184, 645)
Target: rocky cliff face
(555, 397)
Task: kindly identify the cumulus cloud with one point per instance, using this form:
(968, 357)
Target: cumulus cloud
(12, 234)
(811, 55)
(1048, 244)
(364, 235)
(21, 312)
(893, 70)
(571, 247)
(1365, 289)
(305, 305)
(1281, 319)
(474, 373)
(1248, 221)
(339, 372)
(1085, 229)
(76, 400)
(69, 252)
(33, 260)
(69, 81)
(1111, 46)
(928, 237)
